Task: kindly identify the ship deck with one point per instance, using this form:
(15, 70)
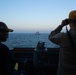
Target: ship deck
(27, 60)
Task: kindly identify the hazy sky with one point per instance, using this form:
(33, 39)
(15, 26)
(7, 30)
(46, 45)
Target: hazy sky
(35, 15)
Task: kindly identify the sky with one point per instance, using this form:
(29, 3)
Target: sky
(30, 16)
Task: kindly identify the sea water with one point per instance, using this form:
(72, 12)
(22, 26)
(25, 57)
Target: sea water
(28, 40)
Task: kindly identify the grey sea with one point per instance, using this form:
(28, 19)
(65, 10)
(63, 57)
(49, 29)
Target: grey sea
(28, 40)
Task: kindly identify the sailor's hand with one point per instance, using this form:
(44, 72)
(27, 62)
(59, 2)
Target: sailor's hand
(64, 22)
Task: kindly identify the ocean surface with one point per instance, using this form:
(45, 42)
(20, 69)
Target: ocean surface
(28, 40)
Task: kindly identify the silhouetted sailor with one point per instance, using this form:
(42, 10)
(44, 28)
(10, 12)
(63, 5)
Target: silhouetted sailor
(5, 56)
(67, 43)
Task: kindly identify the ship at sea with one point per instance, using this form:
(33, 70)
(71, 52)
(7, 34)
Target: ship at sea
(37, 33)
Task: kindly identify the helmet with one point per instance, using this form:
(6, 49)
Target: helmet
(72, 15)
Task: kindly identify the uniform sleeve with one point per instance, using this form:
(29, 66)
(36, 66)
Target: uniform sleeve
(55, 35)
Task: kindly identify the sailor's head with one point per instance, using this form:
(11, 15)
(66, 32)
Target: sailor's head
(4, 30)
(72, 16)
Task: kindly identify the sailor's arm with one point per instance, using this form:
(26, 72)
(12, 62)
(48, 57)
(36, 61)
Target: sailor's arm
(55, 35)
(56, 31)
